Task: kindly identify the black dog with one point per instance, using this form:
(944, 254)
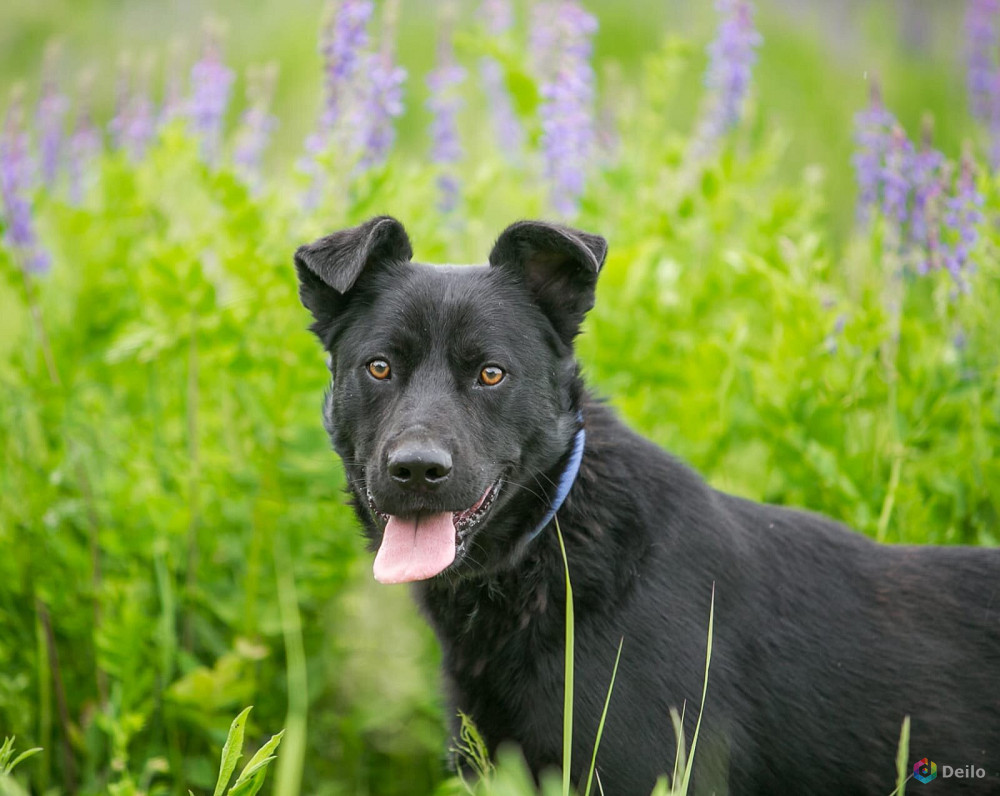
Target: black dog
(458, 410)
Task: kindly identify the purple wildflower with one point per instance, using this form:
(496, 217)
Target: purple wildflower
(872, 128)
(444, 103)
(731, 56)
(383, 104)
(85, 143)
(256, 126)
(962, 215)
(895, 178)
(342, 124)
(17, 181)
(342, 44)
(498, 17)
(50, 119)
(507, 128)
(981, 53)
(140, 126)
(561, 44)
(382, 101)
(211, 84)
(927, 172)
(133, 125)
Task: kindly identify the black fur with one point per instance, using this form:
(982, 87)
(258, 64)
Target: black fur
(823, 639)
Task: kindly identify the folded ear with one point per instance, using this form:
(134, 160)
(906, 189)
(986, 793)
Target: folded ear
(559, 265)
(329, 268)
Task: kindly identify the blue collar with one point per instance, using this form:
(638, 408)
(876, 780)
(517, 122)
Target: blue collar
(566, 480)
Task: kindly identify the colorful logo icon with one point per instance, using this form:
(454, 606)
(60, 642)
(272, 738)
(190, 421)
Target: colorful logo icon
(924, 770)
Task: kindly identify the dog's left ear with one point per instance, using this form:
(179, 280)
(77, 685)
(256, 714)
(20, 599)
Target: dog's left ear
(330, 267)
(559, 265)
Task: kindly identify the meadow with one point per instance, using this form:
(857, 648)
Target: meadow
(801, 300)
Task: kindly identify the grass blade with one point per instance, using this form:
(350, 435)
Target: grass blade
(704, 693)
(231, 751)
(680, 755)
(903, 759)
(568, 687)
(604, 715)
(288, 776)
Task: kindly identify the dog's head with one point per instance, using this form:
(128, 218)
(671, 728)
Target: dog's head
(455, 395)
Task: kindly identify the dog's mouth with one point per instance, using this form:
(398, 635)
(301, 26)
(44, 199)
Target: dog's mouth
(425, 544)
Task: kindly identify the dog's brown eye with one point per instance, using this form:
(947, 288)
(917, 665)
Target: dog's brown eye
(379, 369)
(491, 376)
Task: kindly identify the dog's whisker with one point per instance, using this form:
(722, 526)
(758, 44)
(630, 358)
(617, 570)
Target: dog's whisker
(525, 487)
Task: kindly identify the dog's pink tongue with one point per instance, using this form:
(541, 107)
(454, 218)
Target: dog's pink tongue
(415, 549)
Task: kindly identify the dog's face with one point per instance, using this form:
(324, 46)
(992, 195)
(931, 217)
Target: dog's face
(454, 392)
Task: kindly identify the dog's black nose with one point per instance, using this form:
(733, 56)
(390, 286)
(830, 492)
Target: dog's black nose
(422, 466)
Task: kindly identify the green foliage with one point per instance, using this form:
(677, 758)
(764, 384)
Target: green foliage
(175, 540)
(8, 762)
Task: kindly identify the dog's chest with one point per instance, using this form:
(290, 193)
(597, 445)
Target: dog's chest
(503, 658)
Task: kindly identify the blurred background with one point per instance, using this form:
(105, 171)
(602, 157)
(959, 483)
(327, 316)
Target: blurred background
(801, 301)
(815, 69)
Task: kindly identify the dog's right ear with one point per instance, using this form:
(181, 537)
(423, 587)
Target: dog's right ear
(329, 267)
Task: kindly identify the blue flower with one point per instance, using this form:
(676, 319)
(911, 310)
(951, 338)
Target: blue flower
(962, 217)
(50, 118)
(981, 54)
(134, 123)
(444, 103)
(211, 85)
(498, 18)
(561, 45)
(342, 43)
(382, 104)
(18, 179)
(83, 149)
(872, 128)
(731, 56)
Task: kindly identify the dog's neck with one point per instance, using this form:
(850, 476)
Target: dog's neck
(566, 480)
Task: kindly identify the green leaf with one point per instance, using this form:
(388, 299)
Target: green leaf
(231, 751)
(264, 756)
(250, 786)
(23, 756)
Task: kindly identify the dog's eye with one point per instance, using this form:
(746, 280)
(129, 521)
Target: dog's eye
(379, 369)
(491, 376)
